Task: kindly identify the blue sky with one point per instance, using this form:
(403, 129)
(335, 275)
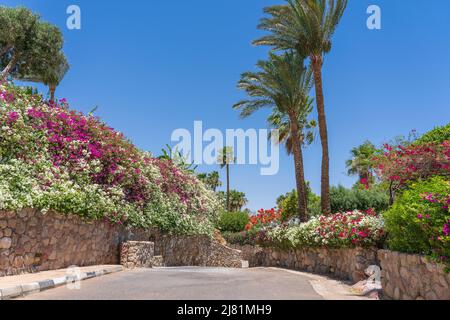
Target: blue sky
(155, 66)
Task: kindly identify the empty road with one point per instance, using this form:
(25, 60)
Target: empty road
(190, 283)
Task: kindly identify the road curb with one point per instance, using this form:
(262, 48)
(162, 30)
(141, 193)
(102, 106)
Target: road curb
(25, 289)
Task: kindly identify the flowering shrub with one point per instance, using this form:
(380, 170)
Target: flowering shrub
(401, 165)
(263, 219)
(419, 220)
(347, 229)
(54, 158)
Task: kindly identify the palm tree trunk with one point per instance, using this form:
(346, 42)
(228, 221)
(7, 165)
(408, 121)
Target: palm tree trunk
(317, 62)
(228, 188)
(52, 89)
(8, 68)
(299, 170)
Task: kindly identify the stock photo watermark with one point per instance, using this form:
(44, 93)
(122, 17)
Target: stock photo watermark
(74, 20)
(73, 275)
(374, 20)
(250, 147)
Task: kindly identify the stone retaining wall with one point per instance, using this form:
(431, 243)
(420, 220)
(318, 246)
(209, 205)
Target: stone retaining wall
(137, 254)
(196, 251)
(347, 264)
(31, 241)
(412, 277)
(403, 276)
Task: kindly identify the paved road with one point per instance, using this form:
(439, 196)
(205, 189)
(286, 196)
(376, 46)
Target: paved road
(190, 284)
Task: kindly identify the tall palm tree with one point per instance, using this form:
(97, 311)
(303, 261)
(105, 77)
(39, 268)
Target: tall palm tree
(281, 122)
(283, 84)
(362, 161)
(225, 158)
(307, 26)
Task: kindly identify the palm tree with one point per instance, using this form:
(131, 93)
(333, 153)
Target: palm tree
(51, 74)
(283, 84)
(281, 122)
(307, 26)
(225, 158)
(361, 162)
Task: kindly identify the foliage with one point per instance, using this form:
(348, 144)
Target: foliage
(289, 204)
(211, 180)
(237, 200)
(54, 158)
(264, 218)
(419, 220)
(282, 83)
(240, 238)
(28, 46)
(306, 26)
(436, 136)
(226, 157)
(361, 163)
(281, 122)
(347, 229)
(401, 165)
(343, 199)
(233, 221)
(178, 159)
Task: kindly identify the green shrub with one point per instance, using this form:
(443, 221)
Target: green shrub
(240, 238)
(343, 200)
(289, 205)
(419, 220)
(437, 135)
(233, 221)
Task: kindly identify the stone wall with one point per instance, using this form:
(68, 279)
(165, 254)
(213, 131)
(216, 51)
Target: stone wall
(196, 251)
(31, 241)
(137, 254)
(403, 276)
(412, 277)
(347, 264)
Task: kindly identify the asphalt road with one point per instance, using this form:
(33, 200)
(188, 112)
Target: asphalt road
(189, 284)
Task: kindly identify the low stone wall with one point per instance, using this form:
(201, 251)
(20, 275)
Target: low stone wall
(347, 264)
(196, 251)
(137, 254)
(31, 241)
(412, 277)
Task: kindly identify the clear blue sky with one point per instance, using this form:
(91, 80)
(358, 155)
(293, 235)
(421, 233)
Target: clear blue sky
(155, 66)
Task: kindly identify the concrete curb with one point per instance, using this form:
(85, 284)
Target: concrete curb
(24, 289)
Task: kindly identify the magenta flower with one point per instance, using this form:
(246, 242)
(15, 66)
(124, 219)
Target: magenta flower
(446, 230)
(12, 117)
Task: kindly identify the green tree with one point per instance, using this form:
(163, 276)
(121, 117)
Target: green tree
(435, 136)
(283, 84)
(281, 122)
(225, 158)
(212, 180)
(50, 73)
(27, 44)
(361, 162)
(237, 200)
(288, 203)
(307, 26)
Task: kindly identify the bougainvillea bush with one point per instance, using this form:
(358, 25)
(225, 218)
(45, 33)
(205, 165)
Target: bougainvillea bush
(55, 158)
(348, 229)
(419, 221)
(399, 166)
